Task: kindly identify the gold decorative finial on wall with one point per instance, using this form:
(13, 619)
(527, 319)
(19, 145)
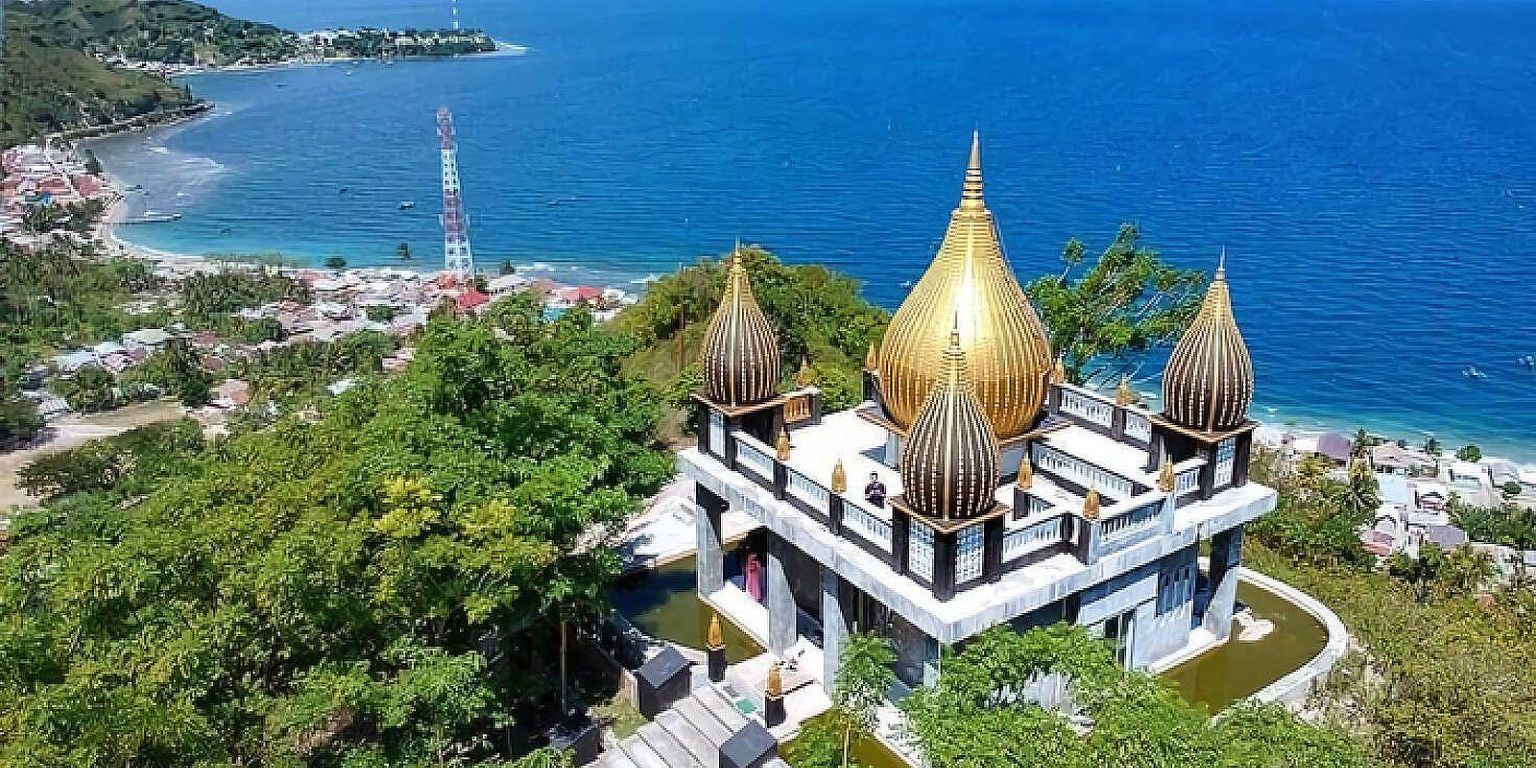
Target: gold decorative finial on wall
(773, 687)
(872, 357)
(1091, 504)
(1026, 474)
(1124, 395)
(782, 446)
(1165, 478)
(839, 478)
(1059, 371)
(716, 639)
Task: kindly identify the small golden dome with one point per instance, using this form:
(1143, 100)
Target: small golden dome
(773, 687)
(1005, 345)
(782, 446)
(1124, 395)
(1026, 475)
(1165, 479)
(949, 464)
(1208, 383)
(741, 351)
(716, 639)
(839, 478)
(1091, 505)
(805, 377)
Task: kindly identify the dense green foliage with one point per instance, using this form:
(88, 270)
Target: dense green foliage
(819, 314)
(48, 84)
(1127, 302)
(379, 584)
(62, 297)
(980, 715)
(368, 43)
(163, 31)
(1317, 519)
(1510, 524)
(206, 295)
(128, 465)
(863, 678)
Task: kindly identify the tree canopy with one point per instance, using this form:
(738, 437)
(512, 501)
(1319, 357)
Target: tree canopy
(378, 584)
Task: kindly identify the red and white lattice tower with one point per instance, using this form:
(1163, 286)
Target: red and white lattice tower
(457, 258)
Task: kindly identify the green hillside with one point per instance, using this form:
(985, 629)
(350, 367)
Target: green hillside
(166, 31)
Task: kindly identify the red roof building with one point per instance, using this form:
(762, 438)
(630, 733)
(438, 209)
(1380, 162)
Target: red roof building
(470, 299)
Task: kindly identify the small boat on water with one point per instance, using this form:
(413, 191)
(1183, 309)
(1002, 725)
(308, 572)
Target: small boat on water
(343, 190)
(1472, 372)
(406, 205)
(154, 217)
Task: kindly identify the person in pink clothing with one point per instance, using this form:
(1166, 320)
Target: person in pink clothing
(754, 577)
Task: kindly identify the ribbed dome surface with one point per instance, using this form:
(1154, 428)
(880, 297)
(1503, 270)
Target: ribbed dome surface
(1208, 383)
(970, 287)
(949, 464)
(741, 352)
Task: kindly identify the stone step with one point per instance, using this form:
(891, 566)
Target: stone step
(722, 708)
(703, 750)
(614, 758)
(671, 750)
(700, 718)
(642, 754)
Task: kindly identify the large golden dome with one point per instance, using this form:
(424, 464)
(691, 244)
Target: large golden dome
(741, 351)
(1208, 383)
(969, 287)
(949, 465)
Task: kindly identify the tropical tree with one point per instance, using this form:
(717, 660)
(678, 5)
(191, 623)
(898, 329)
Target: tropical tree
(1128, 301)
(403, 251)
(334, 262)
(863, 680)
(1469, 452)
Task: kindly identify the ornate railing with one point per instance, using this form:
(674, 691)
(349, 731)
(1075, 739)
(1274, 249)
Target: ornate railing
(1137, 426)
(1187, 481)
(797, 408)
(754, 455)
(809, 491)
(920, 551)
(1082, 473)
(1023, 541)
(1116, 523)
(1087, 406)
(871, 524)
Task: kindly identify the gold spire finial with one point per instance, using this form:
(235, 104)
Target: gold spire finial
(872, 358)
(741, 352)
(1091, 504)
(1004, 342)
(1124, 395)
(1059, 371)
(839, 478)
(1026, 475)
(773, 687)
(971, 190)
(716, 639)
(1208, 382)
(782, 446)
(949, 465)
(805, 377)
(1165, 479)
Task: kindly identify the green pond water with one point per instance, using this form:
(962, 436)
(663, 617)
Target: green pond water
(1236, 669)
(664, 603)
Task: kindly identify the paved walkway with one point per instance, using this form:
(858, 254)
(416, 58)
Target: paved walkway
(688, 735)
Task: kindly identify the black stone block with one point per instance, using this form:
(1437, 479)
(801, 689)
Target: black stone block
(661, 681)
(750, 747)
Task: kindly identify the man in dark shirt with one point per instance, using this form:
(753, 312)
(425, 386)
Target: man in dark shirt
(874, 493)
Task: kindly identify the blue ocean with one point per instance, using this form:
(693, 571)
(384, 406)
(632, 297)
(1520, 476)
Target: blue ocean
(1369, 165)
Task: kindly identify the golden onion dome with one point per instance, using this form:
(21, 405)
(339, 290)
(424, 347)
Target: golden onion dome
(968, 285)
(1208, 383)
(741, 351)
(949, 464)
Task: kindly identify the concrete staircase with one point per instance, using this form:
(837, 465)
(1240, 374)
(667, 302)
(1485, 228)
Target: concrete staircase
(688, 735)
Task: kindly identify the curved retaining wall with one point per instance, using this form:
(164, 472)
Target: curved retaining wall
(1293, 689)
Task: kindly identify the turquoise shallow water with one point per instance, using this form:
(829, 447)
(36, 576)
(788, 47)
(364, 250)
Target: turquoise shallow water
(1368, 163)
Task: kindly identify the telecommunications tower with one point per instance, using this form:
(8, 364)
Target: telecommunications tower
(457, 257)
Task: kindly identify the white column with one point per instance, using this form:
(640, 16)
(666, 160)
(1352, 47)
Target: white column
(781, 599)
(1226, 557)
(834, 628)
(711, 552)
